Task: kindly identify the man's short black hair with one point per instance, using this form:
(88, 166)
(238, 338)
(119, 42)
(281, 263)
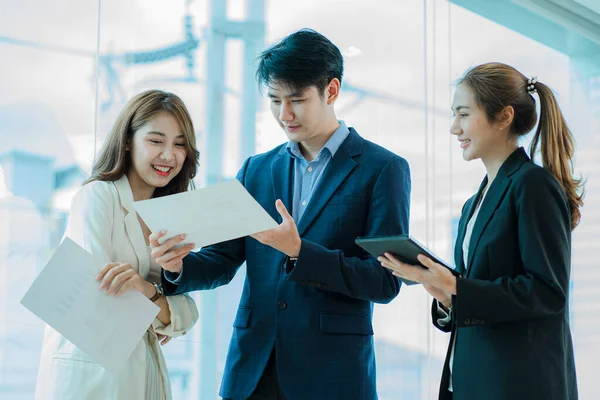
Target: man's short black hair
(303, 59)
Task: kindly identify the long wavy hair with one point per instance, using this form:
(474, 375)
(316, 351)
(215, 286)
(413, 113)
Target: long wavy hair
(114, 160)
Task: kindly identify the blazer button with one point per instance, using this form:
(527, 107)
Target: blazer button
(282, 305)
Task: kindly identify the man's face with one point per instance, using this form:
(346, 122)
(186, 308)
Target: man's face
(302, 113)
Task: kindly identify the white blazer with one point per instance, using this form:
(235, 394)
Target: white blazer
(103, 221)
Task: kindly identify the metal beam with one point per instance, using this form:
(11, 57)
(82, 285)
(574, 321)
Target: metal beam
(252, 32)
(572, 16)
(254, 42)
(535, 25)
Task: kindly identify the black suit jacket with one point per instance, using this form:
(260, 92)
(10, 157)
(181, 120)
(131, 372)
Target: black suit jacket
(510, 313)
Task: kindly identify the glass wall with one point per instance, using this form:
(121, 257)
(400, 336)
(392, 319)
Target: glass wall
(46, 131)
(68, 69)
(572, 72)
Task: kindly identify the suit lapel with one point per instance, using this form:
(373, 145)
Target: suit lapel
(338, 169)
(462, 229)
(493, 198)
(133, 227)
(283, 182)
(495, 194)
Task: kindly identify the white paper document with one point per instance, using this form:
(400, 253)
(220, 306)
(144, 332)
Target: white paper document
(67, 297)
(206, 216)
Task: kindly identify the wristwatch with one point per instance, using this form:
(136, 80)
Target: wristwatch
(159, 292)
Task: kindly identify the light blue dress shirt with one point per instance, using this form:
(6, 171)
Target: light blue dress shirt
(308, 174)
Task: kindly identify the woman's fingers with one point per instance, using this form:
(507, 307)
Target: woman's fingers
(119, 280)
(163, 339)
(158, 250)
(391, 257)
(389, 261)
(179, 253)
(386, 263)
(165, 253)
(400, 269)
(437, 293)
(153, 238)
(428, 262)
(105, 269)
(166, 340)
(129, 283)
(112, 272)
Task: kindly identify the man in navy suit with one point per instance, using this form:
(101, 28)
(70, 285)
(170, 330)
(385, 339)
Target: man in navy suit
(303, 329)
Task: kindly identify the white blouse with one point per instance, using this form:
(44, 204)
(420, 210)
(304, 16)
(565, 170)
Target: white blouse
(444, 316)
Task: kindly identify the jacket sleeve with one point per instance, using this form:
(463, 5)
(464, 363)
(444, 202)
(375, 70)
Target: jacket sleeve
(212, 266)
(544, 237)
(363, 277)
(90, 226)
(441, 320)
(184, 315)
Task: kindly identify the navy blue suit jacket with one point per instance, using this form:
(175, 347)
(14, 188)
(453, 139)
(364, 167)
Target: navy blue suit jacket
(318, 315)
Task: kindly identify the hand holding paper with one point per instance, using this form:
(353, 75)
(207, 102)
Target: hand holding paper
(200, 218)
(67, 297)
(206, 216)
(117, 278)
(285, 237)
(167, 254)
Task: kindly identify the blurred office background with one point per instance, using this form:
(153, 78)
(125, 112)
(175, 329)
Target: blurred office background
(68, 67)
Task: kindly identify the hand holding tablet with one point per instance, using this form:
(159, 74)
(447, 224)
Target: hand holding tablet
(404, 248)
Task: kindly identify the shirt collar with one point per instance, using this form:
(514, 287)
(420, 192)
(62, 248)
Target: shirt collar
(332, 145)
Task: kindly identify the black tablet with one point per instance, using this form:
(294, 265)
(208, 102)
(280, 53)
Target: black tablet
(404, 247)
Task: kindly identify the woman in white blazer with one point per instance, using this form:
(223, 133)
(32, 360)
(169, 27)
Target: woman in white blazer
(150, 152)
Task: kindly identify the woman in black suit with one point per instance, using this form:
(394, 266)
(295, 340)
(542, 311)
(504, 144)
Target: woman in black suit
(508, 312)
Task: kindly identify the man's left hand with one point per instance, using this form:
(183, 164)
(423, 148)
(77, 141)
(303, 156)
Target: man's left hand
(285, 237)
